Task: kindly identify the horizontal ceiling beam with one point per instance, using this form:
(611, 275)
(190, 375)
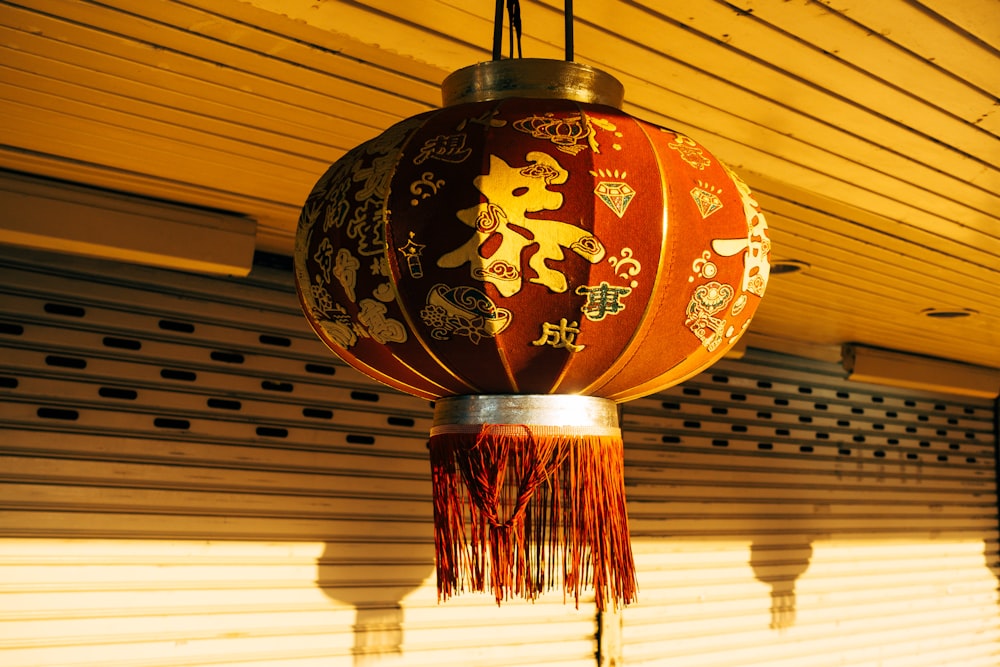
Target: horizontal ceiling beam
(61, 217)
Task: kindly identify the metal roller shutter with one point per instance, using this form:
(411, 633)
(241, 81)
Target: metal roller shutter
(187, 477)
(804, 520)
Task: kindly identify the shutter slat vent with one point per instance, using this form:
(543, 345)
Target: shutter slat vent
(803, 519)
(188, 477)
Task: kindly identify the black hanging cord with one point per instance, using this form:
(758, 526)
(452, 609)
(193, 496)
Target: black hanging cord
(514, 18)
(498, 30)
(568, 16)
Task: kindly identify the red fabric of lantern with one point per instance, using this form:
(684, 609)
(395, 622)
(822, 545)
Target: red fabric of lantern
(525, 246)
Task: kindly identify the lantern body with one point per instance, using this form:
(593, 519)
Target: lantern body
(529, 261)
(530, 246)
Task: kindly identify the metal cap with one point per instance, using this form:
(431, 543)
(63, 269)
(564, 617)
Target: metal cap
(532, 77)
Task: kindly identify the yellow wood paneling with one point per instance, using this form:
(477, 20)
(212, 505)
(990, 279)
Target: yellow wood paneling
(890, 43)
(186, 51)
(178, 93)
(919, 31)
(871, 129)
(977, 17)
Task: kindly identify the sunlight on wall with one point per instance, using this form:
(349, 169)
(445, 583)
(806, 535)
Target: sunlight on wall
(900, 603)
(829, 602)
(182, 603)
(166, 602)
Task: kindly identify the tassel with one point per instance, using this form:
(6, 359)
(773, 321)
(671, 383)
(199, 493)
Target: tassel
(522, 509)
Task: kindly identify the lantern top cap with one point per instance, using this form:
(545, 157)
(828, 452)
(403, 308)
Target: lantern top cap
(537, 78)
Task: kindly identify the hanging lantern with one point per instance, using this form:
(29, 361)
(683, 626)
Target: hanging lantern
(528, 256)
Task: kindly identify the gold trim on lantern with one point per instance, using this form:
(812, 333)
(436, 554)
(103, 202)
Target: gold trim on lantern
(536, 78)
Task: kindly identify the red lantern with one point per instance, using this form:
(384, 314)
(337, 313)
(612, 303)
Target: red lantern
(530, 255)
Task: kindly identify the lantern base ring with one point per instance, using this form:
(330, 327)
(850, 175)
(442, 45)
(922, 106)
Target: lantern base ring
(542, 414)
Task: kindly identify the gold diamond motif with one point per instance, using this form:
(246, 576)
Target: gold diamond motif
(616, 195)
(707, 202)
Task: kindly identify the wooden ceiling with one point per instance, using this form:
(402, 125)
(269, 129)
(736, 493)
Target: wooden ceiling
(869, 130)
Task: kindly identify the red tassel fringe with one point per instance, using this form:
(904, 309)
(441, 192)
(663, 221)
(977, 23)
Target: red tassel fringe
(516, 513)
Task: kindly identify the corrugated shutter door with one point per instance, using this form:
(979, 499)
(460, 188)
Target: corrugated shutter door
(803, 520)
(190, 478)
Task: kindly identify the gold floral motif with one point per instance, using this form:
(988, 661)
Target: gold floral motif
(322, 301)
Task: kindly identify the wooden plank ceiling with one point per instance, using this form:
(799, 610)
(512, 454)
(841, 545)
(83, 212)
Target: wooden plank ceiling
(868, 129)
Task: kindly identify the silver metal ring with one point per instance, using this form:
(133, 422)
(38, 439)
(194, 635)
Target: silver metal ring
(565, 412)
